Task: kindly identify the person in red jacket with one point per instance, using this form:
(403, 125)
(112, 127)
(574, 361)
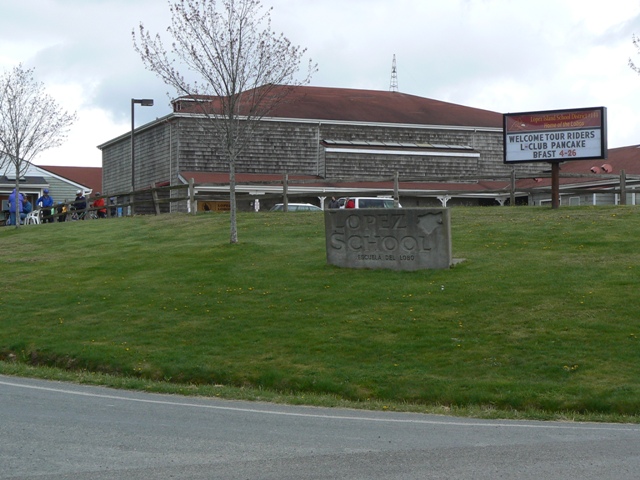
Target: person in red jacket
(351, 203)
(99, 202)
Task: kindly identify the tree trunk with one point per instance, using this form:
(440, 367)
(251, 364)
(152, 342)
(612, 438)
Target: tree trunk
(233, 226)
(17, 196)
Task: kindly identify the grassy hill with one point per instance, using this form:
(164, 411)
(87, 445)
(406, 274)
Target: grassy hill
(542, 316)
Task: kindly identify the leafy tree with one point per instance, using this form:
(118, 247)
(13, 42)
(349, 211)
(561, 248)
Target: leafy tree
(241, 67)
(30, 122)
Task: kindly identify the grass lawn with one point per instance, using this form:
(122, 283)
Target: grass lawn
(541, 317)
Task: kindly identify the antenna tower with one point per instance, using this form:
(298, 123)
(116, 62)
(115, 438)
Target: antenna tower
(393, 86)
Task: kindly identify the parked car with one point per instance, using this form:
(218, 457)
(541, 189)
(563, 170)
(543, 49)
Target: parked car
(296, 207)
(367, 202)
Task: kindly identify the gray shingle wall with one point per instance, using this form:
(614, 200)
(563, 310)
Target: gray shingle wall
(487, 144)
(279, 147)
(276, 147)
(153, 150)
(183, 144)
(354, 165)
(116, 168)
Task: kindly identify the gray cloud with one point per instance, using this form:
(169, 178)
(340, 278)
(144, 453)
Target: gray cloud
(495, 54)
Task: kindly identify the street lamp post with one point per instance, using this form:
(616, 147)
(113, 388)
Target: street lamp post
(145, 102)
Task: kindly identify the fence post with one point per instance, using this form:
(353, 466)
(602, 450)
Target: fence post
(68, 214)
(192, 196)
(555, 185)
(285, 192)
(623, 188)
(154, 196)
(396, 190)
(512, 199)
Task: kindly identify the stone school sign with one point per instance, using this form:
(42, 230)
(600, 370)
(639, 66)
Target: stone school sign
(395, 239)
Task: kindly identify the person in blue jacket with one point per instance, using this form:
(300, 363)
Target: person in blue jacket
(27, 208)
(45, 202)
(12, 206)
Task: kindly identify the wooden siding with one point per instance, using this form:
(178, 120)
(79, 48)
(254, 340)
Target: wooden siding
(343, 164)
(487, 143)
(276, 147)
(116, 167)
(184, 143)
(152, 156)
(153, 150)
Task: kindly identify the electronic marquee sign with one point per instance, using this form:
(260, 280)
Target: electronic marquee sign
(556, 135)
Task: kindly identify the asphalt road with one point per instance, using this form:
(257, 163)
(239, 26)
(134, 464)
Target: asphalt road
(51, 430)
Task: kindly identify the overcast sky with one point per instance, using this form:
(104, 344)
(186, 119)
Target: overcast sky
(502, 55)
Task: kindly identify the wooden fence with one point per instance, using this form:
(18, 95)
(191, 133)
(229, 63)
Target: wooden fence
(152, 200)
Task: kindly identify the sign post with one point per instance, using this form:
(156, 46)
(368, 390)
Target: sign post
(555, 136)
(555, 185)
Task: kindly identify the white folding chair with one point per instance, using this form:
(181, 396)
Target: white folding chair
(33, 217)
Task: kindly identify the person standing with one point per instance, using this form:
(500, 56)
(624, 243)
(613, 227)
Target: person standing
(13, 203)
(333, 203)
(45, 202)
(97, 203)
(79, 206)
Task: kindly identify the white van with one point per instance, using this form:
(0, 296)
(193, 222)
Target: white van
(368, 202)
(296, 207)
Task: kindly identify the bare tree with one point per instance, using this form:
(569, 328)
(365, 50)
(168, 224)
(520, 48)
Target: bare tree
(636, 43)
(30, 122)
(241, 65)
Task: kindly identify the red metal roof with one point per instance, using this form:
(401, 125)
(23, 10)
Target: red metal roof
(90, 177)
(618, 159)
(622, 158)
(370, 106)
(222, 178)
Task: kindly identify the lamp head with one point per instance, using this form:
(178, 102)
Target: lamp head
(145, 102)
